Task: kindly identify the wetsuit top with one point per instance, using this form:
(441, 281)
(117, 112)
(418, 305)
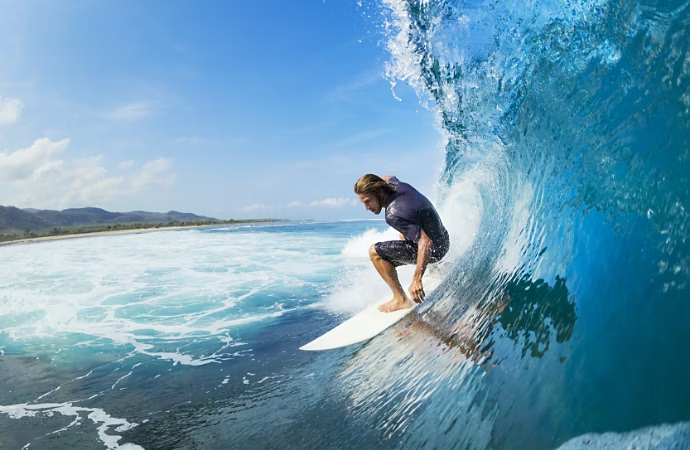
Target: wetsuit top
(409, 212)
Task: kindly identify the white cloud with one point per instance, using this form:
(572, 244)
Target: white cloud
(126, 164)
(20, 165)
(295, 204)
(153, 174)
(132, 111)
(10, 110)
(38, 178)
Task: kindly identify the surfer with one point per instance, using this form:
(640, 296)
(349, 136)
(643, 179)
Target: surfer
(423, 238)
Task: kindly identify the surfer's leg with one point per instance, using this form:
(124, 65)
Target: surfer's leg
(390, 276)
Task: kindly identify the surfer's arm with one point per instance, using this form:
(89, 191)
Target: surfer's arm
(423, 253)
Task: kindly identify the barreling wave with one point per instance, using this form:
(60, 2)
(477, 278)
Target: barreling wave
(569, 312)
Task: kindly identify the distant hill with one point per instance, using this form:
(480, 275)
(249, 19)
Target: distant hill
(15, 220)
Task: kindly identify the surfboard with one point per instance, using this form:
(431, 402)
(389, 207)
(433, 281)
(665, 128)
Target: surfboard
(367, 323)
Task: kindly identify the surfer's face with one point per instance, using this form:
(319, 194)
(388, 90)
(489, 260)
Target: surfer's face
(371, 203)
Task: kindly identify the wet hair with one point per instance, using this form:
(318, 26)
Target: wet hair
(374, 185)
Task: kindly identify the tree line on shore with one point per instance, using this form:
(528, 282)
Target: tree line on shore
(86, 229)
(19, 224)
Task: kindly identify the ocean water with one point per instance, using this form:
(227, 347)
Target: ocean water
(563, 321)
(177, 339)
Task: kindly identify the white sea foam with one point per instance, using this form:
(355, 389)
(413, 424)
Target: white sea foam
(154, 291)
(106, 423)
(662, 437)
(359, 285)
(461, 209)
(357, 248)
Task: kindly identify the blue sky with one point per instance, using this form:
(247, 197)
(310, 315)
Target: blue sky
(232, 109)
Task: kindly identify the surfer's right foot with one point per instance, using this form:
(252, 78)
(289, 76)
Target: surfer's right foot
(395, 305)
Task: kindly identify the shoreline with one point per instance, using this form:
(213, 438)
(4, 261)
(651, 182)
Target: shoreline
(106, 233)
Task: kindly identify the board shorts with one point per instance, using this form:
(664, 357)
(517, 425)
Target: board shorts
(403, 252)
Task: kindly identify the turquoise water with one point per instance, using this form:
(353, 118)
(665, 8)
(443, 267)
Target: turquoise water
(105, 337)
(563, 321)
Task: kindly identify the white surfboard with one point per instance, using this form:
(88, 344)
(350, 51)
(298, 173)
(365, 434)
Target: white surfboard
(367, 323)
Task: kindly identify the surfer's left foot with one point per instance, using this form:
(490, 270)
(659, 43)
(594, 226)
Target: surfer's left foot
(395, 305)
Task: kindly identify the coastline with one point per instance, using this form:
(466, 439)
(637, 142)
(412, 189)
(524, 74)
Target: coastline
(105, 233)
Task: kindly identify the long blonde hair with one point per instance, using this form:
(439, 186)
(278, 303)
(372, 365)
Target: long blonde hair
(374, 185)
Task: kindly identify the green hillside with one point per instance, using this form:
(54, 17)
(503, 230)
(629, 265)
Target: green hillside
(18, 223)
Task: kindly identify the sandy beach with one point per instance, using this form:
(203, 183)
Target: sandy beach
(105, 233)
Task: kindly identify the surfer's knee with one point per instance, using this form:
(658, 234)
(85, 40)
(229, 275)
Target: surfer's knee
(373, 255)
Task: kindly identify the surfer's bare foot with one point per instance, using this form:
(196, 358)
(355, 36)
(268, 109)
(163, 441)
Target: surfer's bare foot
(395, 305)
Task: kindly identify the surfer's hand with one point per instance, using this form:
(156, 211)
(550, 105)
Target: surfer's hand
(417, 291)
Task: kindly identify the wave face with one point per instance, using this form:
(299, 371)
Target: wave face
(569, 313)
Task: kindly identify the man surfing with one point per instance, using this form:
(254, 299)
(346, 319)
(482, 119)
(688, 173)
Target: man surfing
(423, 238)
